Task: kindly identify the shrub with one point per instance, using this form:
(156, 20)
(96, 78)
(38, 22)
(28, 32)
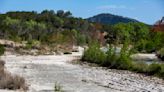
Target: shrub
(150, 47)
(81, 39)
(154, 69)
(111, 58)
(161, 74)
(141, 45)
(32, 44)
(120, 60)
(2, 50)
(140, 67)
(124, 63)
(2, 63)
(94, 55)
(124, 59)
(161, 54)
(11, 82)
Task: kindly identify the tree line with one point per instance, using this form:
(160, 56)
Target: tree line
(61, 27)
(46, 27)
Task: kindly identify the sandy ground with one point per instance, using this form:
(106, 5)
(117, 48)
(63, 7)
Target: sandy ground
(41, 73)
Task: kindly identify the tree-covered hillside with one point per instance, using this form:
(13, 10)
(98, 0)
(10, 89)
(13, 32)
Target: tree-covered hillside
(62, 28)
(106, 18)
(46, 27)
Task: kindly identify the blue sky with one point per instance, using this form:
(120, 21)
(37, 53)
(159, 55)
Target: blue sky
(147, 11)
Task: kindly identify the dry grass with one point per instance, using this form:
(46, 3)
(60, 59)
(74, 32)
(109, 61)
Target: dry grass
(2, 63)
(9, 81)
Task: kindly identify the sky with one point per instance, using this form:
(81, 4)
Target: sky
(148, 11)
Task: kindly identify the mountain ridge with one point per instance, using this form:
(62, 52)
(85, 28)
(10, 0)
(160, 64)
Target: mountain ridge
(107, 18)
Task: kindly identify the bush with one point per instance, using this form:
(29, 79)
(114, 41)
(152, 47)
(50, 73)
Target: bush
(161, 74)
(2, 63)
(124, 59)
(154, 69)
(111, 59)
(11, 82)
(139, 67)
(2, 50)
(94, 55)
(32, 44)
(120, 60)
(81, 39)
(160, 54)
(124, 63)
(141, 45)
(150, 47)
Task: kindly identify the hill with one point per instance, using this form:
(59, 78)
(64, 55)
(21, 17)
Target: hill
(106, 18)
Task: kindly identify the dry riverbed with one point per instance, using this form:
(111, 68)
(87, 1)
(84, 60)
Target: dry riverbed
(41, 73)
